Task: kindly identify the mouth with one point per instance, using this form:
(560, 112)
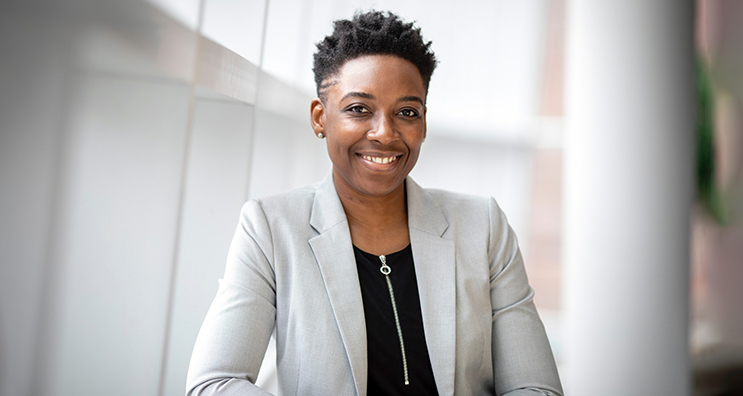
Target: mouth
(379, 163)
(380, 160)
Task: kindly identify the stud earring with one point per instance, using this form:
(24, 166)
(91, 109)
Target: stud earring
(320, 135)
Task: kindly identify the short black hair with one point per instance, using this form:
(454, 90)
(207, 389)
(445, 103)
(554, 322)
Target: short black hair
(372, 33)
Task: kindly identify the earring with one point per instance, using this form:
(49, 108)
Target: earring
(320, 135)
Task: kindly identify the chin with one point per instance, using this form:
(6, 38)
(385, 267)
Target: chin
(374, 185)
(380, 189)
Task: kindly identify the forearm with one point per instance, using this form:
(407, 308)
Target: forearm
(231, 343)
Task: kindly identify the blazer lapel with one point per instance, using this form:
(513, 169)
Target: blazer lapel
(333, 251)
(434, 259)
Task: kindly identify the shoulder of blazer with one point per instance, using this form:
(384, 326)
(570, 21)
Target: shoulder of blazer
(293, 204)
(456, 206)
(469, 214)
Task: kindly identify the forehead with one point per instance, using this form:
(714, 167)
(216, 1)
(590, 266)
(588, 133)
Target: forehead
(378, 75)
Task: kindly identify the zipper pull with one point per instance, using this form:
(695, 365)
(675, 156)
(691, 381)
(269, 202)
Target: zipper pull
(385, 269)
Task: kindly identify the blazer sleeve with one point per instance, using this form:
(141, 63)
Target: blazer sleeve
(233, 338)
(522, 358)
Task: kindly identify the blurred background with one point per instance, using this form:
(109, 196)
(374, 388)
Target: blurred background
(131, 132)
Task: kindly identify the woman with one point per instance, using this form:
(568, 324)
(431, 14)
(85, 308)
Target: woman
(372, 284)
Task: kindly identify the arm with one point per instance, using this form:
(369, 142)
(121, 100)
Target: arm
(233, 338)
(522, 358)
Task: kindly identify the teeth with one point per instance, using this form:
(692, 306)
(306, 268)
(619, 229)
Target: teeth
(379, 160)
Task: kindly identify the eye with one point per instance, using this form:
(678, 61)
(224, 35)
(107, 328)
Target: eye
(358, 109)
(408, 113)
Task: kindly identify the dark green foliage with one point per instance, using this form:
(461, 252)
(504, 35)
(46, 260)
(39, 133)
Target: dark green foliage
(707, 189)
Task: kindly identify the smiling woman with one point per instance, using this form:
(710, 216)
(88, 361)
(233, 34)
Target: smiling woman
(374, 126)
(372, 284)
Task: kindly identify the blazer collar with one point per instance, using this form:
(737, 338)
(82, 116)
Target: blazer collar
(327, 210)
(434, 258)
(423, 213)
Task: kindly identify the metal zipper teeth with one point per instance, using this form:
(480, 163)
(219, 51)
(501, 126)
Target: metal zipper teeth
(385, 269)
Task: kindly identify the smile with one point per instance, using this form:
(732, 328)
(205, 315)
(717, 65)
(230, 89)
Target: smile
(379, 160)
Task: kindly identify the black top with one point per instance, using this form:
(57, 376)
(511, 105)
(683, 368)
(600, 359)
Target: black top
(386, 375)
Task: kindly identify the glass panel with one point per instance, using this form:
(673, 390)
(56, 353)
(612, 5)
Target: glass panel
(237, 25)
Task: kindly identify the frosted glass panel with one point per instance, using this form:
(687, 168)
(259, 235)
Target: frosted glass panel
(185, 11)
(287, 155)
(116, 235)
(216, 189)
(237, 25)
(134, 38)
(287, 39)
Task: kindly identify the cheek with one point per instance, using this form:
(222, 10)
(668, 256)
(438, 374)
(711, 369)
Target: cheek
(343, 136)
(414, 154)
(338, 149)
(415, 149)
(415, 140)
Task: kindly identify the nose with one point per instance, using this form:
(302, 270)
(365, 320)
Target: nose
(384, 130)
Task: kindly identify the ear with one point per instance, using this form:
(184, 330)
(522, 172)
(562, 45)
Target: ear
(317, 116)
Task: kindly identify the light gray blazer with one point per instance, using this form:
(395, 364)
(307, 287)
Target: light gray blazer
(291, 267)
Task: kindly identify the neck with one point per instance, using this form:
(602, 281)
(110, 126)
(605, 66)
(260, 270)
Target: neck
(378, 224)
(373, 211)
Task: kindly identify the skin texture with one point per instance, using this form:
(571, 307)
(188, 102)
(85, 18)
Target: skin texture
(374, 106)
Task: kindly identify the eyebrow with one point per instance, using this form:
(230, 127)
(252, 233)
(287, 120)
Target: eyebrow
(411, 99)
(370, 96)
(357, 95)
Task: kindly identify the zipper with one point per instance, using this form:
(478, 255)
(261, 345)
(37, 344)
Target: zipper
(385, 270)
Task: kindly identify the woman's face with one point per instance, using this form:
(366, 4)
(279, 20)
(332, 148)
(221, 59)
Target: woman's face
(374, 119)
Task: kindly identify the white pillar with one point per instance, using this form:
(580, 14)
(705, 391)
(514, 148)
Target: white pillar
(629, 166)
